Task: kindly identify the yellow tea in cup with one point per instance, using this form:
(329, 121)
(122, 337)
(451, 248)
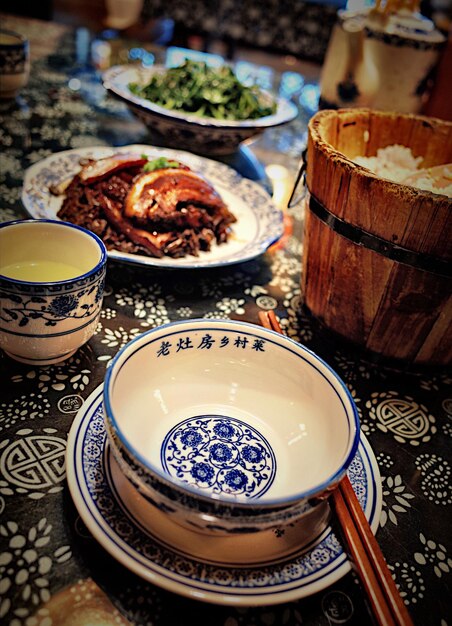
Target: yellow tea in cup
(44, 271)
(52, 277)
(47, 253)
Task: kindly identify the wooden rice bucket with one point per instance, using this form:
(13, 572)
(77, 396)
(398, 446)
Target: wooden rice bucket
(378, 255)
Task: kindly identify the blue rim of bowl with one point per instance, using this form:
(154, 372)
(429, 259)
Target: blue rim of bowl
(299, 350)
(259, 124)
(102, 261)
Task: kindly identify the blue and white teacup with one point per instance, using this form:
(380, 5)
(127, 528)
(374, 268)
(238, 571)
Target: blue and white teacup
(52, 277)
(14, 63)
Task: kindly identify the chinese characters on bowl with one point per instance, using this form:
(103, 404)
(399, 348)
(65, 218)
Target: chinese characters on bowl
(227, 427)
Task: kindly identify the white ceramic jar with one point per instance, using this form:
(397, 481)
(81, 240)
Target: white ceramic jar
(384, 62)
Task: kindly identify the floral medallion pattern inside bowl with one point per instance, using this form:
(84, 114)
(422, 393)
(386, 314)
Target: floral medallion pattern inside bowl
(219, 453)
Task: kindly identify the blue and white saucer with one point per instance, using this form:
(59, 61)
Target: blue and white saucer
(280, 566)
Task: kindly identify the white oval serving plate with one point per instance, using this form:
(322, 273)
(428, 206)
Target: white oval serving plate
(259, 222)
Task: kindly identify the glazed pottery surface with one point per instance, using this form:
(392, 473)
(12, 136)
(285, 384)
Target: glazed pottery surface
(228, 426)
(385, 62)
(52, 278)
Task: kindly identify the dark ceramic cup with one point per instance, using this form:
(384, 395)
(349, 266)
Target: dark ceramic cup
(14, 63)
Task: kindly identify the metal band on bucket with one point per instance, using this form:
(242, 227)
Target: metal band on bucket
(382, 246)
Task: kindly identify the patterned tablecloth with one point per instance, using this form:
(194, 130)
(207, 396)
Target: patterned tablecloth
(52, 571)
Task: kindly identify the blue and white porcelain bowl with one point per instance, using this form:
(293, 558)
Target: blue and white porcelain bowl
(176, 129)
(52, 277)
(226, 426)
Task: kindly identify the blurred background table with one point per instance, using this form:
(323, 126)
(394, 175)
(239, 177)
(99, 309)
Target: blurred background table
(51, 570)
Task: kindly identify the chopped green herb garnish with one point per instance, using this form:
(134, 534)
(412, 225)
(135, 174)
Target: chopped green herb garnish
(196, 88)
(158, 164)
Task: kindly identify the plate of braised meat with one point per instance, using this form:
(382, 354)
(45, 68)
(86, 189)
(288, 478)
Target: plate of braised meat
(155, 206)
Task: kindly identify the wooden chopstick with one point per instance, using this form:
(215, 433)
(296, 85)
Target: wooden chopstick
(360, 559)
(269, 320)
(373, 550)
(384, 598)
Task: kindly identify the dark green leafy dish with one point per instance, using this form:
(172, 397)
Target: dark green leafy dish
(196, 88)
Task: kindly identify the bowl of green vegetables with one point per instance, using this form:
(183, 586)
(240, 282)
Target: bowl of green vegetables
(197, 107)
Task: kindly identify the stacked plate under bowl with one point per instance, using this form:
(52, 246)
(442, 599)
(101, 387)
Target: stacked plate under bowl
(204, 461)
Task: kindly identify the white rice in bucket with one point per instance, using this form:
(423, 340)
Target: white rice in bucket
(398, 164)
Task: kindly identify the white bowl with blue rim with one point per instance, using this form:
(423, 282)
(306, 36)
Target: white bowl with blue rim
(52, 277)
(205, 135)
(226, 426)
